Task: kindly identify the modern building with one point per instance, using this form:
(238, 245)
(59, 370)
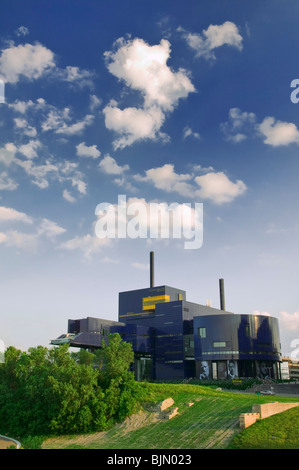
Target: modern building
(290, 368)
(173, 338)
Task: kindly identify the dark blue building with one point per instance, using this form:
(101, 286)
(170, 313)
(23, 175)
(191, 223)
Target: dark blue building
(176, 339)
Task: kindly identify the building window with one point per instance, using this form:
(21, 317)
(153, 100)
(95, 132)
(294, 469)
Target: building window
(219, 344)
(201, 332)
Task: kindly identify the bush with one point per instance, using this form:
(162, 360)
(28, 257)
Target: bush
(52, 391)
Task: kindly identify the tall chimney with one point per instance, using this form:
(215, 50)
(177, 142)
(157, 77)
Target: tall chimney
(222, 299)
(152, 281)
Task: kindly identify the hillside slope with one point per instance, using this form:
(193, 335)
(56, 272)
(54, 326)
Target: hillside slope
(210, 423)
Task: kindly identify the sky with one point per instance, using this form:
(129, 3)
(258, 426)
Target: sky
(189, 103)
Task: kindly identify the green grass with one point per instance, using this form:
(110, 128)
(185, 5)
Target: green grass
(212, 422)
(279, 431)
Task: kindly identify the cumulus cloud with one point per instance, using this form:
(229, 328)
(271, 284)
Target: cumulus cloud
(63, 172)
(144, 68)
(28, 60)
(14, 238)
(289, 321)
(218, 188)
(33, 61)
(239, 125)
(22, 31)
(88, 244)
(38, 172)
(7, 153)
(23, 106)
(167, 179)
(6, 183)
(188, 132)
(60, 122)
(8, 214)
(87, 151)
(26, 129)
(95, 103)
(133, 124)
(67, 196)
(213, 37)
(29, 149)
(110, 166)
(49, 229)
(278, 133)
(76, 75)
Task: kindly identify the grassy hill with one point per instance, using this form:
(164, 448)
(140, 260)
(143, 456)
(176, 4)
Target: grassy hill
(212, 422)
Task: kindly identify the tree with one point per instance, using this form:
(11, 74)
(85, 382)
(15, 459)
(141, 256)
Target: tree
(115, 358)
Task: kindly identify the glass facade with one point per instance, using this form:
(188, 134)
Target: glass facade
(175, 339)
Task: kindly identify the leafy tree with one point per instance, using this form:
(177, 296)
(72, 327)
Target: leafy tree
(115, 358)
(54, 391)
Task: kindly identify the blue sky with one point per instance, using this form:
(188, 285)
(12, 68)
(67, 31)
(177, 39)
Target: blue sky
(184, 102)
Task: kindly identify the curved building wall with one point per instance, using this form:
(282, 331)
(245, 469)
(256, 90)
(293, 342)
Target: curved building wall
(232, 345)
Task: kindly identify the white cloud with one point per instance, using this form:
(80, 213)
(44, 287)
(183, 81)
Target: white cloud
(188, 132)
(26, 128)
(22, 31)
(88, 244)
(134, 124)
(239, 125)
(30, 61)
(87, 151)
(109, 165)
(227, 33)
(213, 186)
(213, 37)
(29, 149)
(39, 172)
(167, 179)
(76, 75)
(62, 171)
(67, 196)
(79, 184)
(33, 61)
(76, 128)
(50, 229)
(144, 68)
(8, 214)
(95, 103)
(7, 153)
(278, 133)
(7, 183)
(23, 106)
(289, 321)
(218, 188)
(60, 122)
(122, 182)
(14, 238)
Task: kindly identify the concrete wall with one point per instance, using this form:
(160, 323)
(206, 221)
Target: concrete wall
(247, 419)
(269, 409)
(262, 411)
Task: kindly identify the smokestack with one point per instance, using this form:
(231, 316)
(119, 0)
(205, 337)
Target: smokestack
(222, 300)
(152, 281)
